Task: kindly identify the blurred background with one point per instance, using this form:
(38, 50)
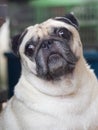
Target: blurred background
(15, 15)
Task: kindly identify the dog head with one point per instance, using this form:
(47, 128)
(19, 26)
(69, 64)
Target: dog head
(51, 49)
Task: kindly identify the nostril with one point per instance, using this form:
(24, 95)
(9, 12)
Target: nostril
(49, 43)
(46, 44)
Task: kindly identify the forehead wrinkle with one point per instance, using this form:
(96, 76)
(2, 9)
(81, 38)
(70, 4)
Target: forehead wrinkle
(54, 23)
(41, 31)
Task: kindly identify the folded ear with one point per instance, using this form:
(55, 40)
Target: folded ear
(70, 19)
(16, 41)
(15, 44)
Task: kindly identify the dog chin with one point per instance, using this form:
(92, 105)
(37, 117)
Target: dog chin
(56, 65)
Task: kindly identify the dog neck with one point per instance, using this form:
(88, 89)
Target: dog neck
(27, 91)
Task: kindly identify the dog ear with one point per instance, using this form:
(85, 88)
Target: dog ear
(15, 44)
(16, 41)
(70, 19)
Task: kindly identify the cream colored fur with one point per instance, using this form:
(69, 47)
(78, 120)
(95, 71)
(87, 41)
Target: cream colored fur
(68, 104)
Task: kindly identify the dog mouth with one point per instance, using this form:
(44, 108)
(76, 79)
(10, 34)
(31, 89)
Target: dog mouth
(56, 65)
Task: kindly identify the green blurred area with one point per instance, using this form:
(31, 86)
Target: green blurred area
(36, 11)
(51, 3)
(85, 11)
(61, 2)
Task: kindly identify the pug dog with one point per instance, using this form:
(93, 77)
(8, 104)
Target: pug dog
(57, 89)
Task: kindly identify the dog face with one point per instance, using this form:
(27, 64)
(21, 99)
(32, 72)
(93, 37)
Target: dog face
(50, 50)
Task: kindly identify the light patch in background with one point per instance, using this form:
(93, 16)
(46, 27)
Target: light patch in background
(4, 47)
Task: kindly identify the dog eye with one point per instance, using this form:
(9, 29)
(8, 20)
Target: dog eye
(29, 50)
(64, 33)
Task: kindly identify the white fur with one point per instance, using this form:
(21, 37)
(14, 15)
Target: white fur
(68, 104)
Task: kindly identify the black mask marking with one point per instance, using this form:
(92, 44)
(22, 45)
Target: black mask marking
(55, 59)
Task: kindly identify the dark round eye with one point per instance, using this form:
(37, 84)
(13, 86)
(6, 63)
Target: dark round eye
(61, 33)
(29, 50)
(64, 33)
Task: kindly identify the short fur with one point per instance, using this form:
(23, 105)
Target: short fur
(67, 103)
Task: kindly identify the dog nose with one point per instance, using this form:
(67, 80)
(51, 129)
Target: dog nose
(46, 44)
